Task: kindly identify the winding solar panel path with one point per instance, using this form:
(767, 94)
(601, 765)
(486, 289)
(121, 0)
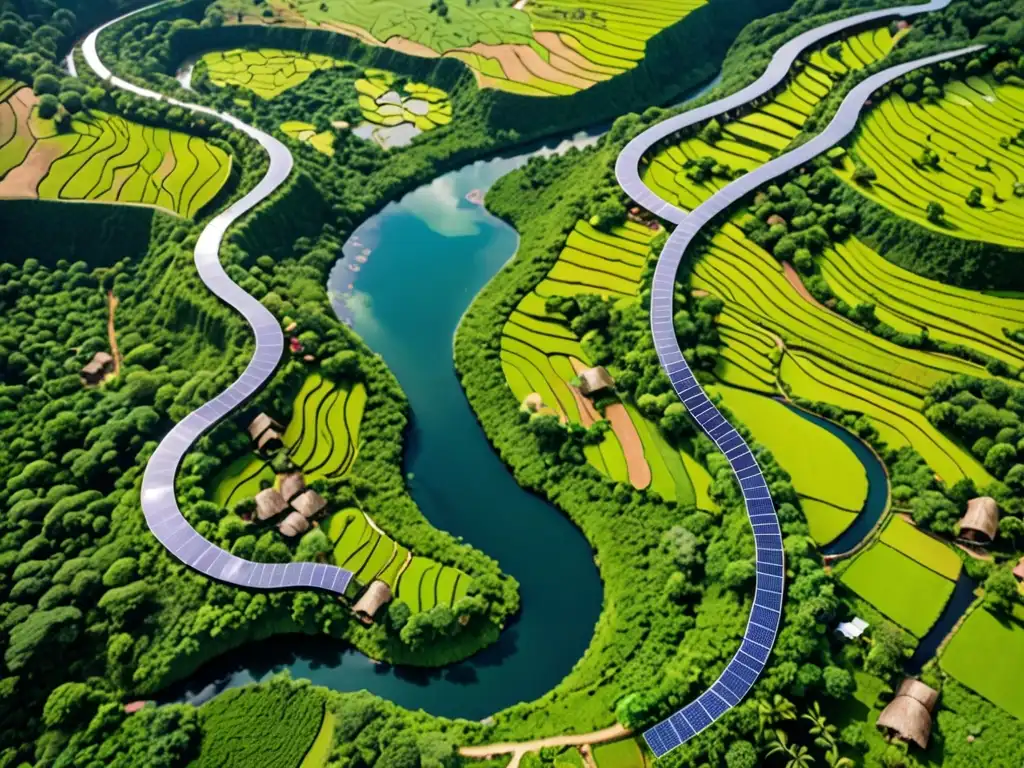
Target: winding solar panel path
(163, 516)
(745, 667)
(627, 166)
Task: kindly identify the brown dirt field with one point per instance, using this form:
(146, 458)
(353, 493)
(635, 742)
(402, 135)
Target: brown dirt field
(554, 43)
(798, 285)
(23, 181)
(164, 169)
(523, 64)
(625, 430)
(518, 749)
(8, 123)
(412, 48)
(588, 413)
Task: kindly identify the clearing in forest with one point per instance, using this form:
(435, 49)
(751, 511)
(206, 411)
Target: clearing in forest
(547, 48)
(688, 173)
(987, 655)
(103, 158)
(541, 355)
(963, 151)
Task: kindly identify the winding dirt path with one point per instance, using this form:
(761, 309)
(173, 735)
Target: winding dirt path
(112, 302)
(519, 748)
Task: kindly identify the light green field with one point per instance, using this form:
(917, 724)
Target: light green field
(541, 354)
(267, 72)
(929, 552)
(322, 142)
(905, 591)
(751, 140)
(371, 554)
(987, 655)
(625, 753)
(549, 48)
(103, 158)
(827, 358)
(964, 128)
(322, 438)
(825, 521)
(417, 104)
(829, 473)
(321, 749)
(857, 275)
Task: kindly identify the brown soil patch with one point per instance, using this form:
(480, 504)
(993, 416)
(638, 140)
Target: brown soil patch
(588, 413)
(556, 45)
(518, 749)
(798, 285)
(23, 181)
(163, 171)
(402, 45)
(8, 123)
(625, 430)
(121, 176)
(523, 64)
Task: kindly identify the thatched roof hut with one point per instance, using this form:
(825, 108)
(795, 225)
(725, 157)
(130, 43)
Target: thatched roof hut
(293, 525)
(309, 503)
(376, 595)
(292, 485)
(981, 522)
(269, 503)
(100, 365)
(264, 431)
(595, 379)
(909, 715)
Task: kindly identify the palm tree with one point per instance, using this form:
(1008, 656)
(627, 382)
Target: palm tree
(834, 760)
(771, 712)
(823, 731)
(799, 756)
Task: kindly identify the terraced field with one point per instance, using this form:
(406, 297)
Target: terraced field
(987, 655)
(322, 438)
(830, 480)
(545, 48)
(267, 72)
(827, 358)
(367, 551)
(422, 106)
(103, 158)
(857, 275)
(924, 152)
(321, 142)
(690, 172)
(541, 354)
(903, 583)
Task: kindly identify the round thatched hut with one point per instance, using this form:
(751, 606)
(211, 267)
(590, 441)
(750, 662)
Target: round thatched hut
(595, 379)
(376, 595)
(292, 484)
(980, 524)
(293, 525)
(309, 503)
(265, 433)
(909, 715)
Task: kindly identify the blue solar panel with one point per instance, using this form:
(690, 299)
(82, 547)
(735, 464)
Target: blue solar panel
(767, 581)
(714, 704)
(755, 650)
(763, 616)
(768, 541)
(661, 739)
(771, 600)
(735, 681)
(725, 692)
(683, 728)
(771, 557)
(696, 716)
(760, 634)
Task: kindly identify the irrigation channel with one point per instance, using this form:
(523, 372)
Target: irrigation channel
(406, 302)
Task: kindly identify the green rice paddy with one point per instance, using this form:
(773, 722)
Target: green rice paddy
(625, 753)
(857, 275)
(903, 589)
(322, 438)
(973, 132)
(827, 358)
(831, 481)
(422, 105)
(322, 142)
(267, 72)
(987, 655)
(547, 48)
(930, 552)
(749, 141)
(541, 354)
(364, 549)
(103, 158)
(318, 753)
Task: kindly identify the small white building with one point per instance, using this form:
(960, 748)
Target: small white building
(851, 630)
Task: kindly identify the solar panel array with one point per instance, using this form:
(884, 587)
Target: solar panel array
(163, 516)
(746, 665)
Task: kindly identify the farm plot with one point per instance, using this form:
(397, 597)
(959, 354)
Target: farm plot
(363, 548)
(987, 655)
(322, 438)
(547, 48)
(690, 172)
(322, 142)
(826, 358)
(267, 72)
(830, 480)
(964, 145)
(103, 158)
(625, 753)
(396, 113)
(903, 589)
(542, 356)
(857, 275)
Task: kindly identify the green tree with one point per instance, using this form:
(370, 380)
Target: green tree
(935, 212)
(48, 106)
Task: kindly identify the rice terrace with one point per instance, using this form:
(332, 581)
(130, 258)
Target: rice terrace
(511, 383)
